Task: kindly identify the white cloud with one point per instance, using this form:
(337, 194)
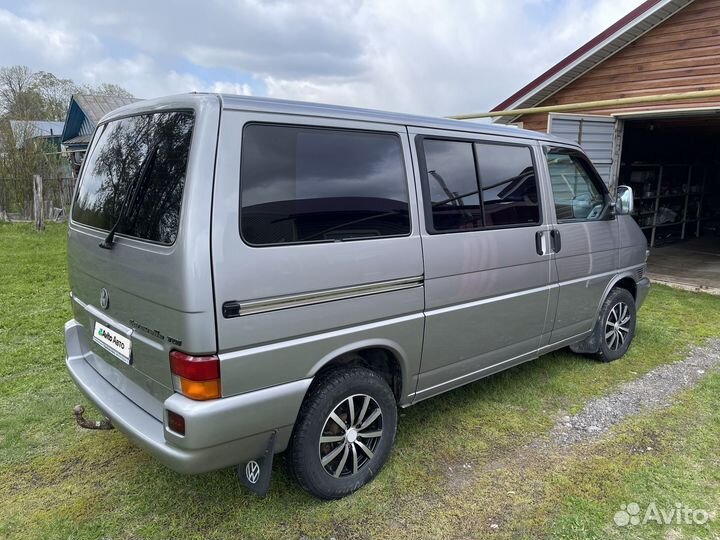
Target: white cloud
(51, 44)
(419, 56)
(449, 57)
(225, 87)
(142, 76)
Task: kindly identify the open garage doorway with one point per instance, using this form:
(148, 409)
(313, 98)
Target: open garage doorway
(673, 166)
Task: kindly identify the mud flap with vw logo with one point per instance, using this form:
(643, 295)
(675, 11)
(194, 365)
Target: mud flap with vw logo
(255, 474)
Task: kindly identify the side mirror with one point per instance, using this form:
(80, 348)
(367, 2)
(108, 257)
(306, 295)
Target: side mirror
(624, 202)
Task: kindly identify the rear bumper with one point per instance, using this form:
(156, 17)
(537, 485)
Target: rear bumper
(219, 433)
(643, 288)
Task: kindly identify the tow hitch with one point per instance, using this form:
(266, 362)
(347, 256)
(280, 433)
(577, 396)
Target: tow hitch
(79, 410)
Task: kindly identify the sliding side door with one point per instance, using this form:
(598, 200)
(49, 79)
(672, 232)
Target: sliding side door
(487, 261)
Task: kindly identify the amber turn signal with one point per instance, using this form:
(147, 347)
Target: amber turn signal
(200, 389)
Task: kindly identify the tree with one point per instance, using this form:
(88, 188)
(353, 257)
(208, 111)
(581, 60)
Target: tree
(55, 94)
(108, 89)
(21, 156)
(18, 98)
(29, 95)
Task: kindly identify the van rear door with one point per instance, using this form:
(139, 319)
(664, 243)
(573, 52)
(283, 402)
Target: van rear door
(146, 289)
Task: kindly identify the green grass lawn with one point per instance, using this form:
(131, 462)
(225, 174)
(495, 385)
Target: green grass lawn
(58, 481)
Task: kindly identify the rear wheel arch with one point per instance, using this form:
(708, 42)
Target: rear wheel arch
(384, 358)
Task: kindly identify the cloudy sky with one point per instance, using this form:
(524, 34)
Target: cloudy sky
(434, 57)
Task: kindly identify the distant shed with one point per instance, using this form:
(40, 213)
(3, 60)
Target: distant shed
(45, 132)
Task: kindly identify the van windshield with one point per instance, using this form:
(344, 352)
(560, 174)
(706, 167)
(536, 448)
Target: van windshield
(113, 168)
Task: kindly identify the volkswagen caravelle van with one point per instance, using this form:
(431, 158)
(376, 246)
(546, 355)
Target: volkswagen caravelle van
(251, 276)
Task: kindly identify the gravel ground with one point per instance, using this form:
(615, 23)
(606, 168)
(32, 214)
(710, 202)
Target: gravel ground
(653, 390)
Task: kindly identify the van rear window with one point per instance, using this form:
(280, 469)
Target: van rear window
(135, 173)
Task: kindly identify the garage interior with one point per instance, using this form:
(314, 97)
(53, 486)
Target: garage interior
(673, 165)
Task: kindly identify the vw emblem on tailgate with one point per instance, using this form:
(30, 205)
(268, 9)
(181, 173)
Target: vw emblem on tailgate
(252, 472)
(104, 298)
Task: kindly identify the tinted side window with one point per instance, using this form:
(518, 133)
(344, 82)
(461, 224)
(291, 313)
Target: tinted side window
(304, 184)
(452, 185)
(160, 143)
(575, 194)
(509, 185)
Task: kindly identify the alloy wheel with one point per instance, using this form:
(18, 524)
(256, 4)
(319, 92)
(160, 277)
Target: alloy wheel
(617, 326)
(350, 435)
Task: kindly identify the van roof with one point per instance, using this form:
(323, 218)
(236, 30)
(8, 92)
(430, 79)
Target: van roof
(283, 106)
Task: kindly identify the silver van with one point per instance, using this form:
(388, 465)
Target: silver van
(252, 275)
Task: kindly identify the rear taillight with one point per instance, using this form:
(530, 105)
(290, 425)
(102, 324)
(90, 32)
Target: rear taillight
(197, 377)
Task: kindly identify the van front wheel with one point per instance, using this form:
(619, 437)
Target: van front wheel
(344, 433)
(617, 325)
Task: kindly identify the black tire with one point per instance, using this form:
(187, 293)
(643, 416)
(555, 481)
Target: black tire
(613, 341)
(336, 393)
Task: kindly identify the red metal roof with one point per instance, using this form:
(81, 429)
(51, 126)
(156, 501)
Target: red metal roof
(579, 53)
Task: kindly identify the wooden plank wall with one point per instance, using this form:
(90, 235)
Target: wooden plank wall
(682, 54)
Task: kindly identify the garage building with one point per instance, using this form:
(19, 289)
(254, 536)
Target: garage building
(667, 150)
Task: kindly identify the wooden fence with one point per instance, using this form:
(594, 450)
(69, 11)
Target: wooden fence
(57, 197)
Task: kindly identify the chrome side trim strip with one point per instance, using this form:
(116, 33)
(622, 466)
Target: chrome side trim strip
(239, 309)
(342, 332)
(491, 299)
(488, 300)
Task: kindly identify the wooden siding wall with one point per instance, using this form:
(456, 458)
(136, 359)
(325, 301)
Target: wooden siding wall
(680, 55)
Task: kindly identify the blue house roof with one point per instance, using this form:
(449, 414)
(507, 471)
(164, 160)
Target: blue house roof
(84, 113)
